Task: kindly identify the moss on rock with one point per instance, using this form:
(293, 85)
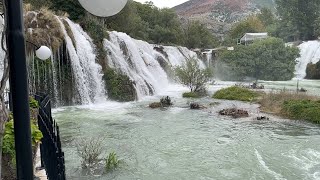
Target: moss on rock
(119, 86)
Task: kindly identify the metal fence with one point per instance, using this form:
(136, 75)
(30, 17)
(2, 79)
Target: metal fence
(52, 157)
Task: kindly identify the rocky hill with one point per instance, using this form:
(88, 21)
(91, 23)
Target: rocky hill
(219, 15)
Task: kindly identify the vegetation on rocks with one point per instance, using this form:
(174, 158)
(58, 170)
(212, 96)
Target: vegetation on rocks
(119, 86)
(43, 28)
(236, 93)
(313, 71)
(190, 95)
(8, 146)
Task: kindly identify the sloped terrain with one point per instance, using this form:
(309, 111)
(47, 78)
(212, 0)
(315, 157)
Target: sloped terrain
(219, 15)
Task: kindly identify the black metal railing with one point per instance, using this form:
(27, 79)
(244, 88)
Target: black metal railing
(52, 156)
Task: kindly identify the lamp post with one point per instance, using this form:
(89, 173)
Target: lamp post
(19, 89)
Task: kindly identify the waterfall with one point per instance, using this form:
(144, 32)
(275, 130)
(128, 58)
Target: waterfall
(309, 53)
(177, 56)
(136, 59)
(86, 72)
(72, 76)
(139, 60)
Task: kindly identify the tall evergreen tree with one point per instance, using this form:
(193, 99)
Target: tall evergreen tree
(299, 16)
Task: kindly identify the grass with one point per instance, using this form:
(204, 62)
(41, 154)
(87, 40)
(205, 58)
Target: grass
(190, 95)
(302, 109)
(236, 93)
(292, 105)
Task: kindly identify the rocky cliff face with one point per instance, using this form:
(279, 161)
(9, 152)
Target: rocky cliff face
(220, 15)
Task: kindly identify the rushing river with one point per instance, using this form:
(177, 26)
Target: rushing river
(179, 143)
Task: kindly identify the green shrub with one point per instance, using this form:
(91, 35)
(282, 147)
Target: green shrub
(8, 146)
(302, 109)
(33, 103)
(119, 86)
(112, 161)
(236, 93)
(190, 95)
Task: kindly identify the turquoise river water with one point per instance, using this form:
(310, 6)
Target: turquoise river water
(182, 144)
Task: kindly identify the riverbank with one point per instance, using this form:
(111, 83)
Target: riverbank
(283, 103)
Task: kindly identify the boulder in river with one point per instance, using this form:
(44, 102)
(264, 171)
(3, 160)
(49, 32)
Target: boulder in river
(164, 102)
(155, 105)
(196, 106)
(260, 118)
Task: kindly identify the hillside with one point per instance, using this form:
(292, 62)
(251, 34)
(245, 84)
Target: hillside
(219, 15)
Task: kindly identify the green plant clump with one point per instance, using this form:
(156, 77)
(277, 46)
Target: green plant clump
(33, 103)
(236, 93)
(8, 138)
(190, 95)
(119, 87)
(112, 161)
(302, 109)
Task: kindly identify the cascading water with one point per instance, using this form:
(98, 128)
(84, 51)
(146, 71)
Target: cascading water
(140, 61)
(86, 72)
(309, 53)
(72, 76)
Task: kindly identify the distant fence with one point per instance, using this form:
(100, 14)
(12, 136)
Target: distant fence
(52, 157)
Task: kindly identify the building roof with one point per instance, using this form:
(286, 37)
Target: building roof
(253, 36)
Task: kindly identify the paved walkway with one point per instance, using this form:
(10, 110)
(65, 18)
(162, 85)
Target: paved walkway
(40, 174)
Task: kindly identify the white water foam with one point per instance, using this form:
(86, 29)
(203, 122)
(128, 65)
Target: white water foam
(266, 168)
(308, 160)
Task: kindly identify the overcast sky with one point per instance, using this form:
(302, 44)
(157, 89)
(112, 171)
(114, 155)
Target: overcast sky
(164, 3)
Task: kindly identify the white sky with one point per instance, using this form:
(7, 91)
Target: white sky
(164, 3)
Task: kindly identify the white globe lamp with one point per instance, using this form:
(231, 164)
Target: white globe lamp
(43, 53)
(103, 8)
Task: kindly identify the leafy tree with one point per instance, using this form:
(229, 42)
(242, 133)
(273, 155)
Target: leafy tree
(193, 76)
(251, 25)
(299, 17)
(198, 36)
(267, 17)
(268, 59)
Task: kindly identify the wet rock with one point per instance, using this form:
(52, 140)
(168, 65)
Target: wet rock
(302, 90)
(260, 118)
(155, 105)
(214, 104)
(235, 113)
(164, 102)
(196, 106)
